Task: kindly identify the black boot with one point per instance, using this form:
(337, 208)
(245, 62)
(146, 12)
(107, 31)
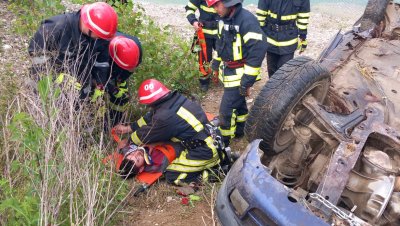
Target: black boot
(204, 84)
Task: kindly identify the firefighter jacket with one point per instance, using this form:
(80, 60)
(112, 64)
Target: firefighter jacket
(117, 86)
(283, 22)
(69, 49)
(241, 48)
(178, 119)
(208, 17)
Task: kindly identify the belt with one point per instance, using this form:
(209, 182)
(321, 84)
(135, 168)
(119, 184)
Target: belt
(234, 64)
(210, 24)
(280, 27)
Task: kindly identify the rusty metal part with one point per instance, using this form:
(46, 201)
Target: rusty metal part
(341, 164)
(289, 173)
(339, 125)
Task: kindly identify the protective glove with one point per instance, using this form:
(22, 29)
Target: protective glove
(214, 77)
(98, 92)
(302, 45)
(244, 91)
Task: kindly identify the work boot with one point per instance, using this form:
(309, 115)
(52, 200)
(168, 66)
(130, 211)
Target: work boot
(204, 84)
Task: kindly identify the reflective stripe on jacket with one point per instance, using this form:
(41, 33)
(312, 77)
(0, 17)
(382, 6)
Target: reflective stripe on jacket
(283, 21)
(240, 38)
(208, 16)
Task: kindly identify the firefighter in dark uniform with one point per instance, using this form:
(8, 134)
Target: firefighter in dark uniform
(75, 43)
(208, 21)
(125, 55)
(174, 118)
(285, 24)
(241, 48)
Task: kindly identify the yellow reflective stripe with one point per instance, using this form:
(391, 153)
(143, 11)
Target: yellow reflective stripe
(217, 58)
(289, 17)
(231, 78)
(174, 139)
(69, 80)
(190, 118)
(249, 70)
(191, 5)
(179, 178)
(188, 12)
(207, 9)
(135, 139)
(121, 92)
(116, 107)
(227, 132)
(261, 18)
(60, 78)
(210, 32)
(303, 14)
(301, 27)
(183, 164)
(242, 118)
(252, 35)
(204, 176)
(304, 21)
(141, 122)
(190, 169)
(284, 43)
(261, 12)
(237, 48)
(122, 84)
(262, 23)
(232, 84)
(273, 15)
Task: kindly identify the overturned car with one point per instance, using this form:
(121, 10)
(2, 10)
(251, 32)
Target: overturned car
(325, 135)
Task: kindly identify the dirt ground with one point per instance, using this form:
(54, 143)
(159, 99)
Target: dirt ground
(161, 205)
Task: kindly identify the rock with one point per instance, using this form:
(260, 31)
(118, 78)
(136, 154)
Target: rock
(169, 198)
(7, 47)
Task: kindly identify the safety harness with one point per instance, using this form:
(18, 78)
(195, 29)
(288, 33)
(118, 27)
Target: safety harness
(199, 46)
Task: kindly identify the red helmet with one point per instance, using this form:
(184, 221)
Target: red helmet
(125, 52)
(211, 2)
(100, 18)
(151, 90)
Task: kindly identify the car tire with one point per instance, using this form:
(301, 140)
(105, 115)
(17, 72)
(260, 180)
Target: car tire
(298, 77)
(374, 13)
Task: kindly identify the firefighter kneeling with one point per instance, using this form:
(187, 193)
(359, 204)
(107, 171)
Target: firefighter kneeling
(180, 122)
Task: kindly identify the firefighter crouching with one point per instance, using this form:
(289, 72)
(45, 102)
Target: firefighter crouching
(208, 22)
(241, 48)
(75, 43)
(174, 118)
(285, 25)
(125, 55)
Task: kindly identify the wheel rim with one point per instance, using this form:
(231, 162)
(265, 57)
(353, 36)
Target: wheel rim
(299, 115)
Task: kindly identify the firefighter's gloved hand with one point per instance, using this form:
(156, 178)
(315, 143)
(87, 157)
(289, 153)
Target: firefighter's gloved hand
(302, 45)
(98, 92)
(244, 91)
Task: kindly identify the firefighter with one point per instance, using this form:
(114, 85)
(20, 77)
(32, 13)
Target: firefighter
(241, 48)
(76, 44)
(285, 25)
(125, 55)
(174, 118)
(208, 22)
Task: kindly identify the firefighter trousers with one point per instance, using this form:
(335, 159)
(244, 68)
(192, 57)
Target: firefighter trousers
(233, 114)
(275, 61)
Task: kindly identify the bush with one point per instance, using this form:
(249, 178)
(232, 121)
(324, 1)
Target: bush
(52, 172)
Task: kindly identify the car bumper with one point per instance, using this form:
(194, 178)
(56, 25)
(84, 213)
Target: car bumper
(251, 196)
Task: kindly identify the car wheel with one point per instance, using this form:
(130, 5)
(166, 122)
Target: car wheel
(374, 13)
(279, 102)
